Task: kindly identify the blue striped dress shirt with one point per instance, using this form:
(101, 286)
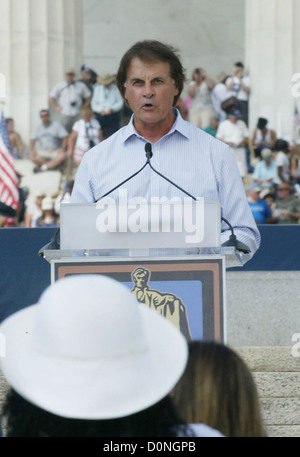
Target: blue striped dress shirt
(193, 159)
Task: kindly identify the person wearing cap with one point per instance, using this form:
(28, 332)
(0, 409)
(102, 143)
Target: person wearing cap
(287, 207)
(68, 97)
(265, 170)
(48, 217)
(259, 207)
(107, 104)
(213, 125)
(89, 361)
(151, 78)
(234, 132)
(263, 137)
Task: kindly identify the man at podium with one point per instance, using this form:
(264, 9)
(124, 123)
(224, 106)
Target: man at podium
(151, 78)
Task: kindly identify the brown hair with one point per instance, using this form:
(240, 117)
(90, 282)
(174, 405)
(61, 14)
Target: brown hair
(217, 389)
(151, 51)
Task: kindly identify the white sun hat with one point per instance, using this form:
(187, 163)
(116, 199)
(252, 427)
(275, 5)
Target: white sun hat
(89, 350)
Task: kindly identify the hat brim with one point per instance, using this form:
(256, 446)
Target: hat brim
(106, 81)
(103, 388)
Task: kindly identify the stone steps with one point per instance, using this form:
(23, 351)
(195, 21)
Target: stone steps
(277, 376)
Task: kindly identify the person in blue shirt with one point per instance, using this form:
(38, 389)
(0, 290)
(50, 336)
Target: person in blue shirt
(259, 207)
(265, 171)
(213, 125)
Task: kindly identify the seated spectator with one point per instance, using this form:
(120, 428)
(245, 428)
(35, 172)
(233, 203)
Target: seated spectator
(17, 145)
(89, 361)
(270, 197)
(67, 98)
(265, 170)
(259, 207)
(86, 133)
(107, 104)
(287, 209)
(48, 217)
(48, 143)
(263, 137)
(217, 389)
(201, 106)
(213, 126)
(282, 161)
(234, 132)
(34, 210)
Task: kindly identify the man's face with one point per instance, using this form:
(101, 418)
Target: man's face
(238, 71)
(45, 117)
(70, 77)
(233, 119)
(150, 91)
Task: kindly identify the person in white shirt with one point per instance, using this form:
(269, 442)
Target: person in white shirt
(234, 132)
(240, 85)
(86, 133)
(67, 98)
(107, 104)
(151, 79)
(282, 161)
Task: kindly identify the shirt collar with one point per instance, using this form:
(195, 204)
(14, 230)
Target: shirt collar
(180, 126)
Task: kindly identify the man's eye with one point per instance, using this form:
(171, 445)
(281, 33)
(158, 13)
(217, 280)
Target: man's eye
(137, 83)
(157, 82)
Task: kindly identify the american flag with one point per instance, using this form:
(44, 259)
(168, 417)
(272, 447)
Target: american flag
(9, 190)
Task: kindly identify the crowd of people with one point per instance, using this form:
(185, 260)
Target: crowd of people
(86, 111)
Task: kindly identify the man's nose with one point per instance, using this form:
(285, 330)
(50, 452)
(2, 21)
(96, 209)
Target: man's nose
(148, 90)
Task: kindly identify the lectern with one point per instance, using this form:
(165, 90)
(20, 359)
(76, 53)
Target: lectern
(167, 253)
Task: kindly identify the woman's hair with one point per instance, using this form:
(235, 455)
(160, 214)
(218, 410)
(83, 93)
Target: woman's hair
(217, 389)
(23, 419)
(153, 51)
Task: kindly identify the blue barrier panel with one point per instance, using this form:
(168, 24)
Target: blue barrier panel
(279, 249)
(24, 275)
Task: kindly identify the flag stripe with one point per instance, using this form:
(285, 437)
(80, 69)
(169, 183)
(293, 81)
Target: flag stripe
(9, 190)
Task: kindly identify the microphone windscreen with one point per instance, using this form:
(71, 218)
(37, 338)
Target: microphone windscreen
(148, 150)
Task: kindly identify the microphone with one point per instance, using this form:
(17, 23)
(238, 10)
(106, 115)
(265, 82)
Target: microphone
(148, 150)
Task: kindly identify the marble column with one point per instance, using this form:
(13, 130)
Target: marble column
(272, 34)
(39, 39)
